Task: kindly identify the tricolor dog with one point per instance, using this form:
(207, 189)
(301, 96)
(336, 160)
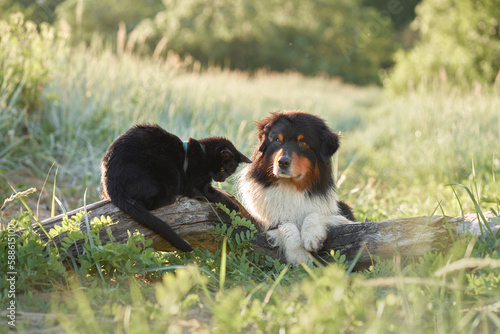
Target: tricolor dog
(289, 186)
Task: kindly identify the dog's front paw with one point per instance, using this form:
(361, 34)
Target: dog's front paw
(297, 256)
(315, 229)
(313, 233)
(287, 237)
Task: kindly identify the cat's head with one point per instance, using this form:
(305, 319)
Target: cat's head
(223, 158)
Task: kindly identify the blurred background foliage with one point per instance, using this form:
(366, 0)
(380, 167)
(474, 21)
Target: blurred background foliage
(311, 37)
(401, 44)
(459, 42)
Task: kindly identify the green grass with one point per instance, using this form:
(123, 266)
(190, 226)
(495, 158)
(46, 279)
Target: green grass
(400, 156)
(388, 144)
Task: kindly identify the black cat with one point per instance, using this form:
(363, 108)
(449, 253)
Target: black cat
(147, 168)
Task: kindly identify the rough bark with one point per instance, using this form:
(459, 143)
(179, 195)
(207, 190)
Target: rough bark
(193, 220)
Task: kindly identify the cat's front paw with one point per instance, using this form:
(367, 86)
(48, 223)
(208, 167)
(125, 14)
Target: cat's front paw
(231, 206)
(228, 203)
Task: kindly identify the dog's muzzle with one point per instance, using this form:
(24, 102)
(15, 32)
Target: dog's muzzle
(283, 166)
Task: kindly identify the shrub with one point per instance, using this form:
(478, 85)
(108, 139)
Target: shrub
(459, 45)
(33, 10)
(339, 38)
(104, 16)
(25, 55)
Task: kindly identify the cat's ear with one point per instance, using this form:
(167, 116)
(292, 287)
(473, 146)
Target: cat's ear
(226, 154)
(243, 158)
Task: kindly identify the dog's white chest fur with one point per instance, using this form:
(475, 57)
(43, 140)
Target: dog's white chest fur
(283, 203)
(301, 220)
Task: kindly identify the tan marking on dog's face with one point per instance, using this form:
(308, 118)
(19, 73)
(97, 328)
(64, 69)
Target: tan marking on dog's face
(277, 155)
(303, 171)
(300, 165)
(280, 137)
(302, 143)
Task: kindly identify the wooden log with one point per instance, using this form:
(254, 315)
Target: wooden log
(193, 220)
(406, 238)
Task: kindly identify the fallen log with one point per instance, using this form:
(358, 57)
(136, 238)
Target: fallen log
(193, 220)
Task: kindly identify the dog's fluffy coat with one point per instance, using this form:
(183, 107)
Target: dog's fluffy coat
(289, 186)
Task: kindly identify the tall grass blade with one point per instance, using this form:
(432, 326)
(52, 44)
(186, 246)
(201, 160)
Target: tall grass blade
(467, 263)
(416, 242)
(450, 232)
(356, 259)
(273, 287)
(460, 205)
(480, 214)
(19, 196)
(61, 205)
(52, 209)
(43, 187)
(75, 268)
(222, 276)
(91, 241)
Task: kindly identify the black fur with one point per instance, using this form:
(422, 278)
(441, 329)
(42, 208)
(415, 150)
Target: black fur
(345, 210)
(143, 170)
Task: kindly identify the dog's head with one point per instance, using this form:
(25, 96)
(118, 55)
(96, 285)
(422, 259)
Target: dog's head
(297, 147)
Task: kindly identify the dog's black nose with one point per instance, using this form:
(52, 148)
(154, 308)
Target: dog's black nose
(284, 162)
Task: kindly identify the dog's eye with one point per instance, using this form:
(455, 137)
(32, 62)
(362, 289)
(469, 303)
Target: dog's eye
(277, 140)
(303, 144)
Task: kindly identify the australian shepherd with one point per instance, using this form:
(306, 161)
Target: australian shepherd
(289, 186)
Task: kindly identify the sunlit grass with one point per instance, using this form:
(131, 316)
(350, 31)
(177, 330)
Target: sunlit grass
(397, 157)
(405, 156)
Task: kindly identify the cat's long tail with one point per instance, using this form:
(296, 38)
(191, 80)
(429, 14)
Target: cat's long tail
(147, 219)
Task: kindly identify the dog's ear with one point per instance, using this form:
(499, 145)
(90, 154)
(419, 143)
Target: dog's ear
(263, 142)
(263, 128)
(329, 143)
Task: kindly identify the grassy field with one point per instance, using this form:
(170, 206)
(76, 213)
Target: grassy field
(400, 156)
(422, 142)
